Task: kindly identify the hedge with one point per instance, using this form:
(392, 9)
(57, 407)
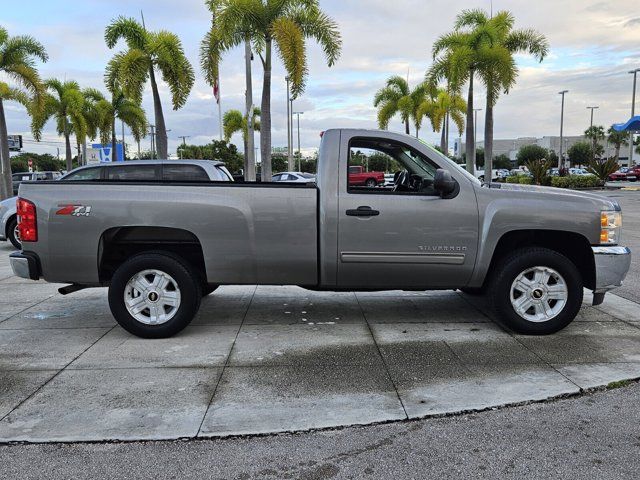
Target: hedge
(571, 181)
(575, 181)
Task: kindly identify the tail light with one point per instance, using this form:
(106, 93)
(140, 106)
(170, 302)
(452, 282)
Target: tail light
(27, 221)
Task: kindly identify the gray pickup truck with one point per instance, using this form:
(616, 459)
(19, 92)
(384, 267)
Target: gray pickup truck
(161, 246)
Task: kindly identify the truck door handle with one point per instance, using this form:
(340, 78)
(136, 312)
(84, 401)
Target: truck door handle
(363, 212)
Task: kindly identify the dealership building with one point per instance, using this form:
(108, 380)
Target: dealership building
(510, 147)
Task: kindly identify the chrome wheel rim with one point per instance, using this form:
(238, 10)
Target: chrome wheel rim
(152, 297)
(539, 294)
(16, 233)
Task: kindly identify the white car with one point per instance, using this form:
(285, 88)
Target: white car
(294, 177)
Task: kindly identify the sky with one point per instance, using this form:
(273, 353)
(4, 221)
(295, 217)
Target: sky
(594, 43)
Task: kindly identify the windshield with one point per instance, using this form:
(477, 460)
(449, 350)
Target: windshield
(450, 162)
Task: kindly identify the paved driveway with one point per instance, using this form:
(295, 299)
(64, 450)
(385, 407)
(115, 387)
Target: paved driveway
(274, 359)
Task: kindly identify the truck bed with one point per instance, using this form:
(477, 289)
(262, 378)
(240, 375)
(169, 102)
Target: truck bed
(249, 233)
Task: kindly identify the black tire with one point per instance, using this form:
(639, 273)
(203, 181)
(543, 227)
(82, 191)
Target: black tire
(208, 289)
(518, 262)
(186, 281)
(11, 227)
(371, 183)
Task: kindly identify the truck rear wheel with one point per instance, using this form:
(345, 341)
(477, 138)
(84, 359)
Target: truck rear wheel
(154, 295)
(537, 291)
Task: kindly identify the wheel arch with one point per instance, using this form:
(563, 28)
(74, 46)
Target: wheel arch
(574, 246)
(120, 243)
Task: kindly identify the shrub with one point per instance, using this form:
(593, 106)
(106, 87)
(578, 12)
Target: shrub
(525, 180)
(512, 179)
(575, 181)
(602, 168)
(539, 169)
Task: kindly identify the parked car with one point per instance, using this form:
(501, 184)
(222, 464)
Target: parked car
(580, 172)
(159, 246)
(140, 170)
(626, 174)
(294, 177)
(358, 176)
(19, 177)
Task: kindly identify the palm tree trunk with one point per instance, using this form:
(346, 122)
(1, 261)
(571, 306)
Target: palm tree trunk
(446, 134)
(6, 189)
(488, 143)
(161, 129)
(67, 144)
(265, 117)
(443, 138)
(469, 130)
(407, 127)
(417, 131)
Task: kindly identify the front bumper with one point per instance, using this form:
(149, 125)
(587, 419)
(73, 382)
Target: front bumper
(25, 265)
(612, 265)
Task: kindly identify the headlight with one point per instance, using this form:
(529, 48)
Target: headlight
(610, 226)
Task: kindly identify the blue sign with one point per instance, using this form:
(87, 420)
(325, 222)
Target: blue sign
(105, 152)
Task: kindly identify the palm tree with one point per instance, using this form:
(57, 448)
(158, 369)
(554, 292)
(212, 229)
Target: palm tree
(234, 121)
(618, 140)
(596, 135)
(122, 108)
(262, 22)
(92, 118)
(65, 104)
(442, 106)
(397, 98)
(498, 69)
(147, 52)
(17, 62)
(457, 57)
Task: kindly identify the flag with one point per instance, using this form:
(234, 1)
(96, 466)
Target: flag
(216, 90)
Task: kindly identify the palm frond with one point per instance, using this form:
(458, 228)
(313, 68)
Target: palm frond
(290, 41)
(176, 70)
(129, 30)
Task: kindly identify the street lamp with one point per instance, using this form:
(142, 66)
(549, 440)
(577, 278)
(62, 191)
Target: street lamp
(633, 112)
(299, 153)
(561, 158)
(475, 139)
(592, 109)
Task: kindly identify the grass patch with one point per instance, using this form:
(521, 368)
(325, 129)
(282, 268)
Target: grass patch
(619, 384)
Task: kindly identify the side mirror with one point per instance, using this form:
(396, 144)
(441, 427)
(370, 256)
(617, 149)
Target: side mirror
(444, 183)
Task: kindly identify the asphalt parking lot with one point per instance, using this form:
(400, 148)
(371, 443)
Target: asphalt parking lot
(281, 359)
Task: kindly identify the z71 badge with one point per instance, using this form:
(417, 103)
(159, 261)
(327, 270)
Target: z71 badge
(74, 210)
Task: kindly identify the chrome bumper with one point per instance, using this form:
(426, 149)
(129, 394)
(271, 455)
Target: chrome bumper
(25, 265)
(612, 265)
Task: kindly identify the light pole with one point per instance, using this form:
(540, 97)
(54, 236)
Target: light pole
(633, 112)
(475, 138)
(289, 146)
(592, 109)
(561, 157)
(299, 153)
(153, 141)
(184, 142)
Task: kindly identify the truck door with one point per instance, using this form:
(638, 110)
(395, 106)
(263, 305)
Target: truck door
(405, 235)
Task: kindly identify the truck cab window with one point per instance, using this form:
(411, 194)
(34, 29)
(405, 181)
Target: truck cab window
(140, 173)
(383, 166)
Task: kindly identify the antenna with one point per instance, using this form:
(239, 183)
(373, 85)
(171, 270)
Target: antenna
(142, 15)
(491, 8)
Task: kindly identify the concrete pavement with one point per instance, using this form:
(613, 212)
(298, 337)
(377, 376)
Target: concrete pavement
(282, 359)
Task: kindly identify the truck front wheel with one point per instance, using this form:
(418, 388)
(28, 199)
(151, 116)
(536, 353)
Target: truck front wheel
(13, 234)
(371, 183)
(154, 295)
(537, 291)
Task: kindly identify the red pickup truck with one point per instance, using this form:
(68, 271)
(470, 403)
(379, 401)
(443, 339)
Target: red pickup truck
(359, 177)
